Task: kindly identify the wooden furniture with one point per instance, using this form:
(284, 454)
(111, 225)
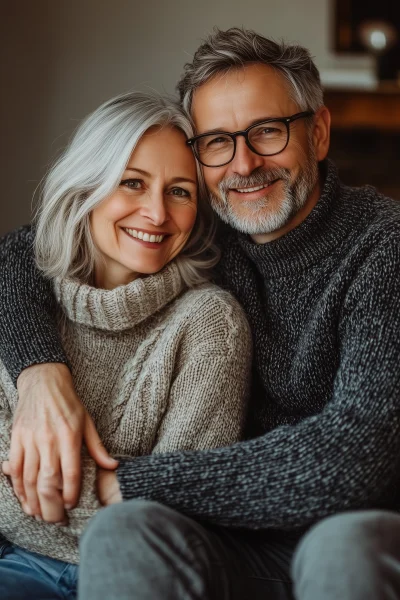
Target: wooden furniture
(365, 109)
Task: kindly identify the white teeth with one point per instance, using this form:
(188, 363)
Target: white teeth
(146, 237)
(253, 189)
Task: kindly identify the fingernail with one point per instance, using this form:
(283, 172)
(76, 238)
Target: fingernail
(61, 524)
(21, 498)
(68, 506)
(38, 518)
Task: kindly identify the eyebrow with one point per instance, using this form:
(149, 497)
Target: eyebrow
(174, 180)
(255, 122)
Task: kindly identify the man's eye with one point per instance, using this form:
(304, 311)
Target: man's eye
(269, 131)
(218, 141)
(132, 184)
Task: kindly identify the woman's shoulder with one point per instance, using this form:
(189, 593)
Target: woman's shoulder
(214, 313)
(211, 298)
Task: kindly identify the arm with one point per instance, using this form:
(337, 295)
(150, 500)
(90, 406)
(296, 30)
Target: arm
(28, 329)
(48, 407)
(207, 402)
(343, 458)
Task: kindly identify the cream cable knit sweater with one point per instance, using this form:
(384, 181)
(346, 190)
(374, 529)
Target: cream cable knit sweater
(159, 368)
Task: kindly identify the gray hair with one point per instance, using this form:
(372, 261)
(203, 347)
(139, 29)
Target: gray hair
(236, 47)
(90, 169)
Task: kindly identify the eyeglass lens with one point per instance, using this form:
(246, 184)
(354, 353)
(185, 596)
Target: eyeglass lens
(266, 139)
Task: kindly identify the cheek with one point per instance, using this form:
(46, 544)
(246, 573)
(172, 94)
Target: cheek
(104, 217)
(292, 159)
(116, 208)
(185, 218)
(213, 177)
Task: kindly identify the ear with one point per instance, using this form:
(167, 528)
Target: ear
(321, 132)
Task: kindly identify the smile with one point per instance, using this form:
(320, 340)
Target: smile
(143, 235)
(254, 189)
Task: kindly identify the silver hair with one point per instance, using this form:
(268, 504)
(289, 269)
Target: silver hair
(237, 47)
(90, 169)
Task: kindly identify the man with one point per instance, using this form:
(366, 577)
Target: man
(315, 265)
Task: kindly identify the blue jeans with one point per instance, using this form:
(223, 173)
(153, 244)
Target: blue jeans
(25, 575)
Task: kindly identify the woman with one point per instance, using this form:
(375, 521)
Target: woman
(159, 356)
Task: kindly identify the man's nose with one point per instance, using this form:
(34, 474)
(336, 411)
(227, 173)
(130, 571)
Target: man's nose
(245, 160)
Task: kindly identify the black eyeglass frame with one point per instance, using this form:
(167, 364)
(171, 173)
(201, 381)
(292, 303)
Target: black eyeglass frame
(245, 133)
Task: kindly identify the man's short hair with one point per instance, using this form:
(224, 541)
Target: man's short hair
(237, 47)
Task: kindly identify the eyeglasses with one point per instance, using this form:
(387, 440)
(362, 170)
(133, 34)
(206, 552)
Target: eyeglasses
(266, 138)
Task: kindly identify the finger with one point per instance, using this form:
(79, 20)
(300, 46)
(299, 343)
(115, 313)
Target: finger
(5, 467)
(70, 461)
(96, 447)
(16, 467)
(49, 486)
(31, 468)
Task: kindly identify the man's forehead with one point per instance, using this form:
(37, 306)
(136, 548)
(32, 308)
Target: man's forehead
(237, 98)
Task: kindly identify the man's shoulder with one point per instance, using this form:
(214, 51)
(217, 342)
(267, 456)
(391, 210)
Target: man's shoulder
(380, 209)
(378, 223)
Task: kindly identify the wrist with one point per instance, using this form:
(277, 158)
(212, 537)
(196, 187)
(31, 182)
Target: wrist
(36, 373)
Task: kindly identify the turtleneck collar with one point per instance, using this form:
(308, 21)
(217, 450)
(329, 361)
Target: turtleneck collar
(122, 307)
(325, 227)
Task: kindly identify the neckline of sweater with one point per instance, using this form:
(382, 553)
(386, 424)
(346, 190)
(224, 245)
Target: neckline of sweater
(123, 307)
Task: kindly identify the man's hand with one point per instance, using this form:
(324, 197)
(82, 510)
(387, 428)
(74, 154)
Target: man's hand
(108, 487)
(45, 455)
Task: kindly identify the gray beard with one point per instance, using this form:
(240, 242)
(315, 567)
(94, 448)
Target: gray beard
(260, 220)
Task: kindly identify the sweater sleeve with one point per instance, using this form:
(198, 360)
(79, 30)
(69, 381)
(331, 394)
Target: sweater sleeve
(28, 330)
(345, 457)
(208, 396)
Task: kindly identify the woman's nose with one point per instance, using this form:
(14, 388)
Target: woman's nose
(156, 209)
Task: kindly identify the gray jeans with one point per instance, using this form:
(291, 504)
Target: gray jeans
(141, 550)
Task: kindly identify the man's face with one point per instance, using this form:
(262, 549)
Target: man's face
(256, 194)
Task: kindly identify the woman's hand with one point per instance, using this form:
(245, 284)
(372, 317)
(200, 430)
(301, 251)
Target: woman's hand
(45, 455)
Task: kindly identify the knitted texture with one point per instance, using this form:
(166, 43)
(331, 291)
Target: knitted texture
(323, 303)
(160, 368)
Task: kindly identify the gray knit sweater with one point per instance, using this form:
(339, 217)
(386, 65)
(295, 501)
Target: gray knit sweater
(160, 368)
(324, 306)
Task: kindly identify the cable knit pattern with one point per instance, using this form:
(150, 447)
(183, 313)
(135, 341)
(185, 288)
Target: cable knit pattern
(323, 303)
(160, 368)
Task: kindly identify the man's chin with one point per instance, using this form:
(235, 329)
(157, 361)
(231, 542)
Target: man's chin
(253, 220)
(252, 225)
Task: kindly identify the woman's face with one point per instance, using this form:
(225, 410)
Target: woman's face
(147, 221)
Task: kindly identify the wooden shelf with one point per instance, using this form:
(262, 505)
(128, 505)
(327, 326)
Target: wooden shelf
(365, 109)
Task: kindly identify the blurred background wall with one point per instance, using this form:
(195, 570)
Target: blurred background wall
(61, 59)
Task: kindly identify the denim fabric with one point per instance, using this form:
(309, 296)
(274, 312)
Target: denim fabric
(28, 576)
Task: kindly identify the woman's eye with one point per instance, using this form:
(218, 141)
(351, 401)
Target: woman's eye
(132, 184)
(180, 192)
